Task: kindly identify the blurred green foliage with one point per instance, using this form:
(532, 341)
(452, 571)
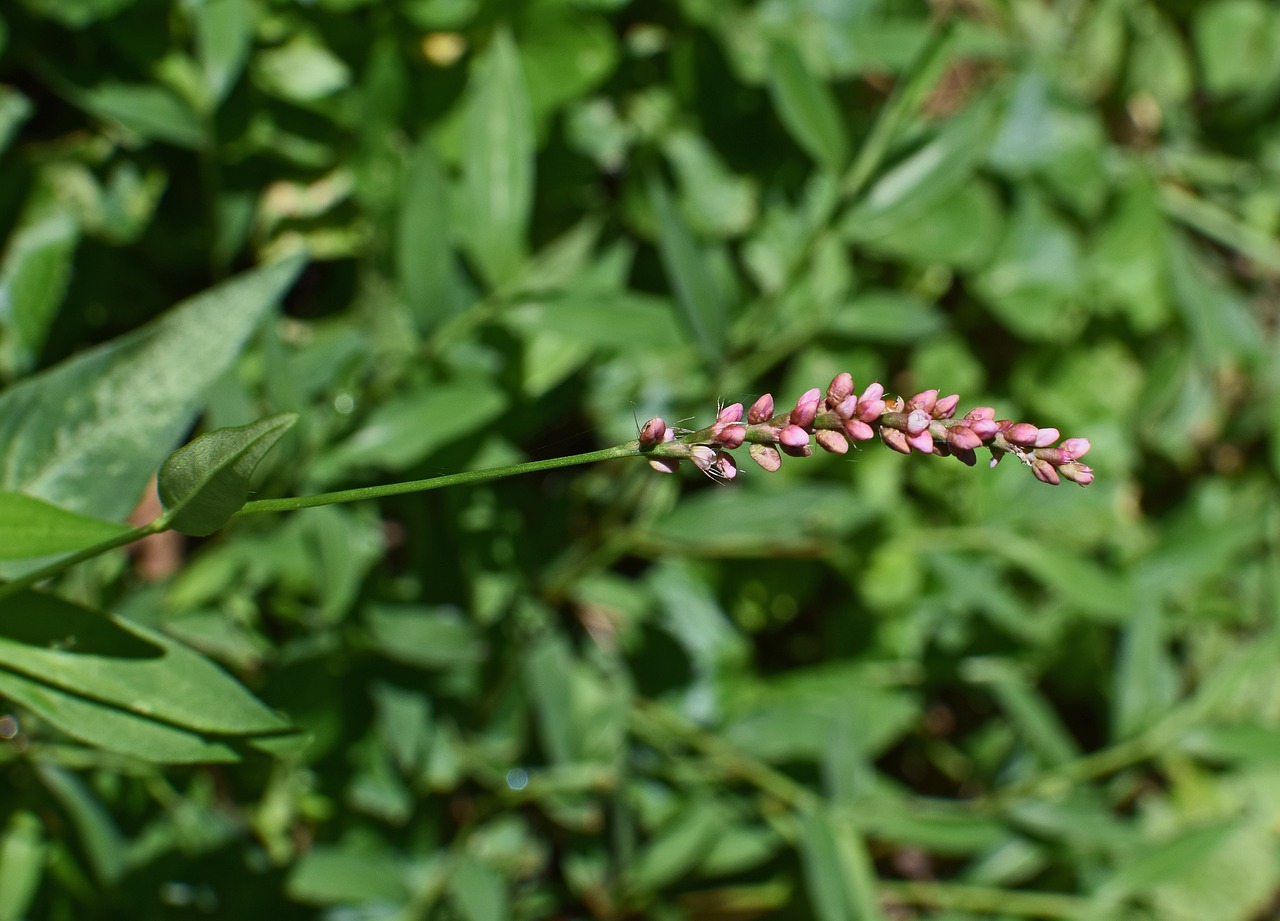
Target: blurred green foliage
(864, 687)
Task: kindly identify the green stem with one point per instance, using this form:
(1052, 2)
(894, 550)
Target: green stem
(983, 899)
(630, 449)
(44, 572)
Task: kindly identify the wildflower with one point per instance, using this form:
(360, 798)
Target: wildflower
(924, 424)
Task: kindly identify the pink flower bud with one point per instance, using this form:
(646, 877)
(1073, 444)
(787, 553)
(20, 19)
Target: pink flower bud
(1055, 456)
(846, 408)
(652, 431)
(895, 439)
(1023, 434)
(925, 399)
(841, 387)
(946, 407)
(979, 413)
(963, 438)
(918, 421)
(870, 410)
(728, 434)
(873, 392)
(766, 456)
(832, 441)
(664, 464)
(858, 430)
(1046, 437)
(806, 408)
(1045, 472)
(983, 428)
(730, 413)
(1077, 473)
(726, 468)
(1076, 447)
(922, 442)
(761, 410)
(793, 436)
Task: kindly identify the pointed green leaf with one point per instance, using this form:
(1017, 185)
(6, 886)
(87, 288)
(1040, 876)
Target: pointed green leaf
(425, 262)
(88, 433)
(31, 527)
(498, 167)
(701, 302)
(33, 279)
(109, 728)
(206, 482)
(109, 659)
(22, 858)
(808, 109)
(101, 839)
(224, 35)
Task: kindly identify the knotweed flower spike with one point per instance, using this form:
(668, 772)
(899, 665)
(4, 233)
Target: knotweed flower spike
(924, 424)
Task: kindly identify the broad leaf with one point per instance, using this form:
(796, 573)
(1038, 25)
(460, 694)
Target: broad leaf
(30, 527)
(206, 482)
(88, 433)
(107, 659)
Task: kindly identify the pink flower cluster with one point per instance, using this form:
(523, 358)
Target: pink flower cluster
(925, 424)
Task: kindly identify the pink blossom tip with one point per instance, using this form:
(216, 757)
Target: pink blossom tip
(806, 408)
(1076, 447)
(1046, 437)
(895, 439)
(761, 410)
(653, 432)
(729, 434)
(946, 407)
(1077, 473)
(1045, 472)
(963, 438)
(979, 413)
(832, 441)
(874, 391)
(918, 421)
(793, 436)
(664, 464)
(857, 430)
(730, 413)
(841, 388)
(925, 399)
(1023, 434)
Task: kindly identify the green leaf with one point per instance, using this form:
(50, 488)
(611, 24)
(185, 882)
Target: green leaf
(22, 857)
(699, 297)
(329, 875)
(1146, 680)
(115, 662)
(425, 263)
(88, 433)
(109, 728)
(408, 427)
(101, 839)
(425, 637)
(15, 108)
(33, 280)
(498, 167)
(224, 35)
(808, 109)
(204, 483)
(152, 113)
(302, 70)
(1236, 42)
(32, 528)
(478, 891)
(678, 847)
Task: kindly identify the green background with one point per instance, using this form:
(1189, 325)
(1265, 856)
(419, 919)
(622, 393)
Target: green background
(868, 686)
